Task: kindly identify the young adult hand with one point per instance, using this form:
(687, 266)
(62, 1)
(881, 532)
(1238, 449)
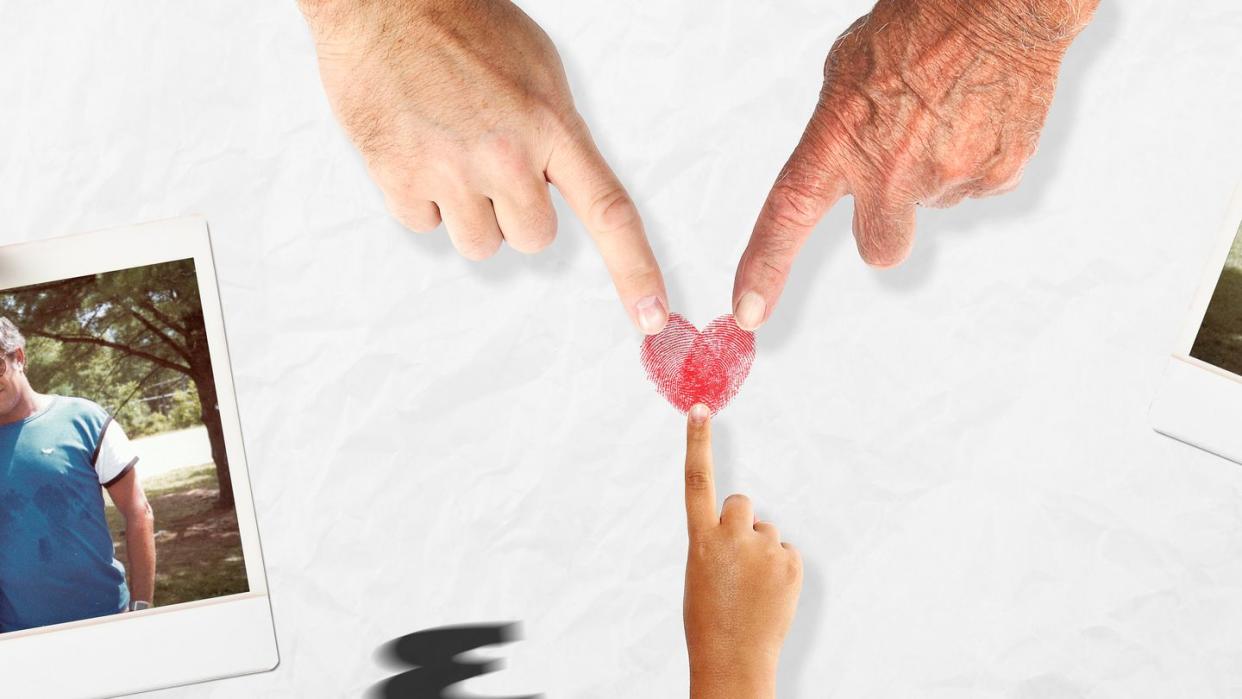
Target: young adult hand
(924, 102)
(742, 583)
(463, 114)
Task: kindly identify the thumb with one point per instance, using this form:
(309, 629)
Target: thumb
(595, 194)
(806, 188)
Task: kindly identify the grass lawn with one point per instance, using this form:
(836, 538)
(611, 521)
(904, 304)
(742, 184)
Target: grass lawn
(198, 550)
(1219, 341)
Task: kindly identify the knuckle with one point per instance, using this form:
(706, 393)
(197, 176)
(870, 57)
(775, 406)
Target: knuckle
(698, 480)
(612, 210)
(849, 38)
(503, 152)
(420, 218)
(642, 277)
(791, 205)
(531, 232)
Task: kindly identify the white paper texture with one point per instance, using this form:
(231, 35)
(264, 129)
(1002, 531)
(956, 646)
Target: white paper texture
(959, 447)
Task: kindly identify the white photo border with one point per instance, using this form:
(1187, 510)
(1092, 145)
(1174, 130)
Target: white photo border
(1199, 402)
(164, 646)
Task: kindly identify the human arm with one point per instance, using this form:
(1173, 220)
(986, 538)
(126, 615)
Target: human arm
(742, 583)
(463, 113)
(130, 500)
(924, 102)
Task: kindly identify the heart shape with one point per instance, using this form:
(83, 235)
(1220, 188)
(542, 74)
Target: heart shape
(691, 367)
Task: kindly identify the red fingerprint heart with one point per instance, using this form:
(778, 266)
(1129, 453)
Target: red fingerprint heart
(691, 367)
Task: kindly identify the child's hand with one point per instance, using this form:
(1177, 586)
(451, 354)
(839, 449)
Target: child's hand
(742, 583)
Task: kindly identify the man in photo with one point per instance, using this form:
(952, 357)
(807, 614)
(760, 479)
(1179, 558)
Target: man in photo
(57, 455)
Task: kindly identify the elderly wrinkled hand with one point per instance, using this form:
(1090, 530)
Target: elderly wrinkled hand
(463, 113)
(924, 102)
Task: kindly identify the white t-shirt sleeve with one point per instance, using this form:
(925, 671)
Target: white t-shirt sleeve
(116, 455)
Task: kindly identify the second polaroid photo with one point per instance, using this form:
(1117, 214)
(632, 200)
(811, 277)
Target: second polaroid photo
(1201, 395)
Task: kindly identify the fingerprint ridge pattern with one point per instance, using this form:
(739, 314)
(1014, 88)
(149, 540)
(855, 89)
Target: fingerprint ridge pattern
(689, 366)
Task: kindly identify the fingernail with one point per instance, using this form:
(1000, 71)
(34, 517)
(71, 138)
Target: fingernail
(748, 314)
(651, 314)
(699, 413)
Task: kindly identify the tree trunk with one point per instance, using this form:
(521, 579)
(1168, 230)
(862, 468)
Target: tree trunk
(204, 379)
(210, 408)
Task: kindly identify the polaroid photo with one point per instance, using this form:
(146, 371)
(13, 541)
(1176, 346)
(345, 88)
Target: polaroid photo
(129, 550)
(1200, 399)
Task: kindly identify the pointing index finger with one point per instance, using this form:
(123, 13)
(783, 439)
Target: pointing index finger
(700, 477)
(806, 188)
(596, 195)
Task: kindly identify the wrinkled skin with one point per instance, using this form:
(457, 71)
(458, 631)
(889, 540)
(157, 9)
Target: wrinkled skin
(924, 103)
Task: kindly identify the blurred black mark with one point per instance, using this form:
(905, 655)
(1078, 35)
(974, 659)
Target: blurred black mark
(432, 655)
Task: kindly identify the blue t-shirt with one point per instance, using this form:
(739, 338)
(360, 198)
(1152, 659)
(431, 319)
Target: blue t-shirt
(56, 561)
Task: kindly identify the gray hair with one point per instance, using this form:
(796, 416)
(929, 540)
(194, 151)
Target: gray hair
(11, 338)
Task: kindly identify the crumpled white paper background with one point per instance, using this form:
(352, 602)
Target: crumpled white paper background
(959, 446)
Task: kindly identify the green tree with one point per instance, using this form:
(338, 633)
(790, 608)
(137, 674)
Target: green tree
(119, 332)
(145, 400)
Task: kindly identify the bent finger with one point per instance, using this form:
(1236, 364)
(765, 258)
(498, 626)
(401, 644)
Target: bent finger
(525, 215)
(883, 228)
(768, 531)
(419, 215)
(471, 224)
(738, 512)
